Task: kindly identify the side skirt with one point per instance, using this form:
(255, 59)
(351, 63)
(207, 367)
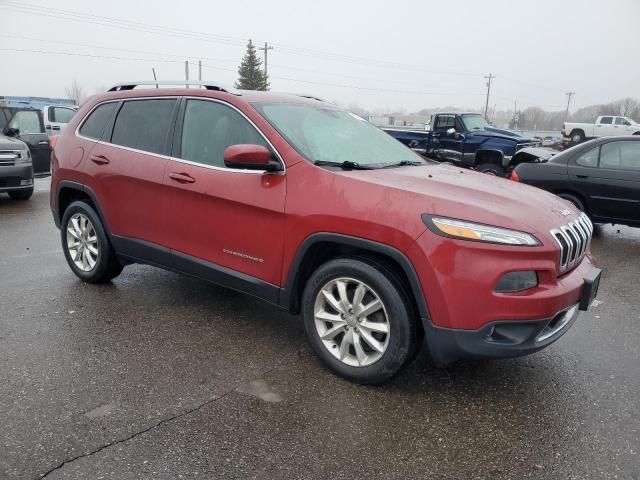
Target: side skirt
(140, 251)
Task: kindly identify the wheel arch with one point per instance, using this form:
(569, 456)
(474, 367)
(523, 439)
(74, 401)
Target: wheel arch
(68, 192)
(321, 247)
(488, 155)
(577, 194)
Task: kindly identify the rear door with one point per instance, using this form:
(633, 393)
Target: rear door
(29, 123)
(127, 168)
(231, 218)
(609, 176)
(56, 117)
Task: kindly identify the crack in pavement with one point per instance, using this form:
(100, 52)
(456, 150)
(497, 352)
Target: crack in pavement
(170, 419)
(141, 432)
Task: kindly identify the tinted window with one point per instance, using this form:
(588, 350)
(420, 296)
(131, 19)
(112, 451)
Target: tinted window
(62, 115)
(606, 120)
(621, 121)
(589, 159)
(143, 124)
(95, 124)
(209, 128)
(27, 121)
(623, 155)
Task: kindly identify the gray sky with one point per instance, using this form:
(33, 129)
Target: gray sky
(377, 54)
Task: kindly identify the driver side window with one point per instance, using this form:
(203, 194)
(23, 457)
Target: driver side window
(445, 122)
(209, 128)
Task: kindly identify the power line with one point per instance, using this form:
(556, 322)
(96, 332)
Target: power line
(356, 87)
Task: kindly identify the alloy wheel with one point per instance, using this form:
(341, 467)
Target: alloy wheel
(82, 242)
(352, 322)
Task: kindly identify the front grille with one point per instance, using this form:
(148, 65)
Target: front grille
(8, 157)
(574, 239)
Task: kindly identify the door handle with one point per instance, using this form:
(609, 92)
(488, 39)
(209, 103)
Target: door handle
(99, 159)
(582, 176)
(43, 142)
(48, 127)
(182, 177)
(55, 127)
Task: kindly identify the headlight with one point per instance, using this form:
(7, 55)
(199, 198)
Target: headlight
(25, 157)
(448, 227)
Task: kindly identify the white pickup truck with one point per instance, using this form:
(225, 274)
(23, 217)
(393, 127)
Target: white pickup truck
(605, 126)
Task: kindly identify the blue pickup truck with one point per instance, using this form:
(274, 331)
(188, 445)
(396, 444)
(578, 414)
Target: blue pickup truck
(465, 139)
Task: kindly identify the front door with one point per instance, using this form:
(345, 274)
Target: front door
(605, 127)
(448, 139)
(31, 131)
(610, 177)
(229, 218)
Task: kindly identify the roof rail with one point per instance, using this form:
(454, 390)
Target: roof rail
(176, 83)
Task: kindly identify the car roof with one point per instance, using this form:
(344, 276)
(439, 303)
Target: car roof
(250, 96)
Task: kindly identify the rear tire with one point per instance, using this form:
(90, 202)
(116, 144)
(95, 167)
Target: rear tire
(359, 320)
(86, 246)
(491, 169)
(21, 194)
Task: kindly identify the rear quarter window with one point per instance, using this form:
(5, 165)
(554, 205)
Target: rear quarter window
(97, 121)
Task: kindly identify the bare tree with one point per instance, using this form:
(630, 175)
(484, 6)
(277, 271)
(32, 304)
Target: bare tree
(75, 92)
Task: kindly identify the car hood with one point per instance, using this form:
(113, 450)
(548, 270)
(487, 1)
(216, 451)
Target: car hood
(502, 134)
(8, 143)
(464, 194)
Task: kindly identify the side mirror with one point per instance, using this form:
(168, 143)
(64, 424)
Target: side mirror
(250, 157)
(11, 132)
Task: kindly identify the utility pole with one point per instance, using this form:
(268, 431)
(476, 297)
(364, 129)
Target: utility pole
(265, 49)
(186, 72)
(486, 105)
(569, 95)
(153, 69)
(200, 70)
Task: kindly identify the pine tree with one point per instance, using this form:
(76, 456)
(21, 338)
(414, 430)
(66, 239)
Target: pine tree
(251, 75)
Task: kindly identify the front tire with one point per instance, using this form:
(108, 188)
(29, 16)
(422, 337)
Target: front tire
(21, 194)
(359, 320)
(86, 246)
(491, 169)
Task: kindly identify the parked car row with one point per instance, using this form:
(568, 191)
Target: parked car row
(306, 206)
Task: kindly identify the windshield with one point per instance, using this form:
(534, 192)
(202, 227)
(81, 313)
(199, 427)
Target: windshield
(326, 134)
(474, 122)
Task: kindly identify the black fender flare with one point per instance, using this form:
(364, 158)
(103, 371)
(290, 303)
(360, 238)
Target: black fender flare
(81, 188)
(290, 289)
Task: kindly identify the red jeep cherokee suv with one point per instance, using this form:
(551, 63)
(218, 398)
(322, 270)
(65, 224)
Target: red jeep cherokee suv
(311, 208)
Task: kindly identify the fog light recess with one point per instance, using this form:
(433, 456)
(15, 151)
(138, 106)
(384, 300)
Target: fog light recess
(513, 282)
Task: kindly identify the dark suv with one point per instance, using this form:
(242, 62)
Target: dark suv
(312, 209)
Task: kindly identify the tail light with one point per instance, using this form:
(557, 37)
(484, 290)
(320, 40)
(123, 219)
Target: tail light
(53, 140)
(514, 176)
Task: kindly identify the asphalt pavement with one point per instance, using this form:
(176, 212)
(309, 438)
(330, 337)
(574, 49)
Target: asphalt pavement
(161, 376)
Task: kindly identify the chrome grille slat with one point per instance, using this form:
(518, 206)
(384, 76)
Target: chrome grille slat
(573, 239)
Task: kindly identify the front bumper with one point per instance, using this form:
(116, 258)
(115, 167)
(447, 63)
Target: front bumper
(16, 177)
(497, 339)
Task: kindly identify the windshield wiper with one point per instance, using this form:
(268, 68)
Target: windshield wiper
(405, 163)
(346, 165)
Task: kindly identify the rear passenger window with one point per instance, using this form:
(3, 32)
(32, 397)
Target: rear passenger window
(94, 126)
(209, 128)
(606, 120)
(144, 124)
